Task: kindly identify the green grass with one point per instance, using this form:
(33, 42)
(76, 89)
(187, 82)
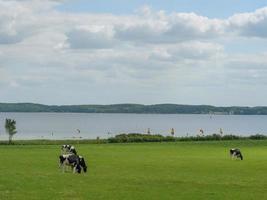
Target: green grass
(182, 170)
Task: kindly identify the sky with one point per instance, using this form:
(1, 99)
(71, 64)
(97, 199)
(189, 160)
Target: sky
(65, 52)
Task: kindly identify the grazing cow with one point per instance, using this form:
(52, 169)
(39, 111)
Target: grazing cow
(236, 153)
(77, 163)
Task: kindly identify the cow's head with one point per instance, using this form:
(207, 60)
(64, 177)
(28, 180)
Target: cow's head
(82, 163)
(78, 168)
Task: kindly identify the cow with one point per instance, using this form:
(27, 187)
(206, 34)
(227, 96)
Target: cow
(76, 162)
(236, 153)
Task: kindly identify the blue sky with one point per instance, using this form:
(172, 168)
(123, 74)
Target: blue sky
(209, 8)
(147, 52)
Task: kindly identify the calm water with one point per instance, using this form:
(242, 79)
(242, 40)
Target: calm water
(65, 125)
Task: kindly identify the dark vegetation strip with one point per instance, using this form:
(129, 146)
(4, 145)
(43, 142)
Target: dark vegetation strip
(134, 108)
(138, 138)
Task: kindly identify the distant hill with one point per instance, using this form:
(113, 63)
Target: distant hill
(134, 108)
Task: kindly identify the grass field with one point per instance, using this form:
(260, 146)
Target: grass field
(182, 170)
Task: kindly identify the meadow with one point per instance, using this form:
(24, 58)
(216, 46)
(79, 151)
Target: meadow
(173, 170)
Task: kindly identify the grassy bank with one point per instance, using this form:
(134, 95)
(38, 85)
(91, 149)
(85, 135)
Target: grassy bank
(137, 138)
(178, 170)
(54, 142)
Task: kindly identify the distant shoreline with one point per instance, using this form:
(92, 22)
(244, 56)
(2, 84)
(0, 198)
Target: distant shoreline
(134, 109)
(138, 138)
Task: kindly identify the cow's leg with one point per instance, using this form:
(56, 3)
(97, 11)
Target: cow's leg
(61, 164)
(74, 169)
(64, 165)
(234, 155)
(71, 167)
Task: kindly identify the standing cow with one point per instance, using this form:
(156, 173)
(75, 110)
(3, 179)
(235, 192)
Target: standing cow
(76, 162)
(236, 153)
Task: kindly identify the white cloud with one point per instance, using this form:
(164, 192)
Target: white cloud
(188, 51)
(162, 28)
(95, 37)
(250, 24)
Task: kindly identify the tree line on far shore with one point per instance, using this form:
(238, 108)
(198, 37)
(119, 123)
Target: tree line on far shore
(135, 108)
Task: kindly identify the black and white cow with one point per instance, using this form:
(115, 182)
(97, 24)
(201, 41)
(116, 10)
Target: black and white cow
(76, 162)
(236, 153)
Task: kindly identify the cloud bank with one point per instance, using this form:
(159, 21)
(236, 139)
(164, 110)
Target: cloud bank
(145, 57)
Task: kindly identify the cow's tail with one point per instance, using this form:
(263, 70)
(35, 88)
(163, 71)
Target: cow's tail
(231, 153)
(61, 158)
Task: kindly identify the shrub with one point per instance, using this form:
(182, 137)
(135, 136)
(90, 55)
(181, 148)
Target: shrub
(137, 137)
(257, 137)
